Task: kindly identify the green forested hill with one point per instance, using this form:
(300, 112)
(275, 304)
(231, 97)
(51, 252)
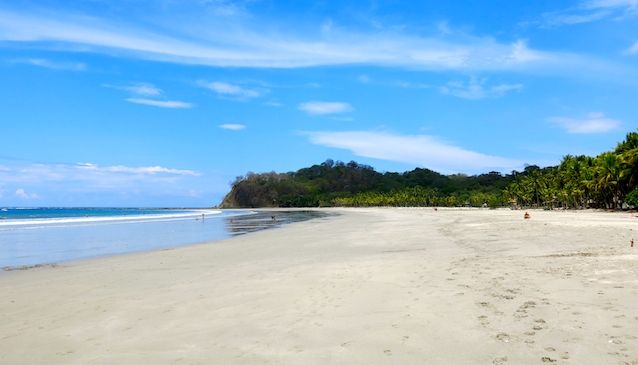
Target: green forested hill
(605, 181)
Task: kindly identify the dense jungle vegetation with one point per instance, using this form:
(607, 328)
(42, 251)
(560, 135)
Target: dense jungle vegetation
(609, 180)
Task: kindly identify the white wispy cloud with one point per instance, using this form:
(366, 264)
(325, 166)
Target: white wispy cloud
(591, 123)
(225, 8)
(143, 89)
(568, 18)
(325, 107)
(171, 104)
(138, 89)
(144, 170)
(92, 174)
(633, 49)
(148, 94)
(411, 85)
(590, 11)
(229, 90)
(22, 194)
(252, 47)
(625, 5)
(83, 184)
(420, 150)
(478, 89)
(232, 126)
(53, 65)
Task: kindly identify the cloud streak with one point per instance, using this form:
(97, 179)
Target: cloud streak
(325, 107)
(232, 126)
(421, 150)
(92, 174)
(150, 95)
(476, 89)
(590, 11)
(590, 124)
(145, 170)
(143, 89)
(52, 65)
(85, 184)
(170, 104)
(255, 48)
(633, 50)
(225, 89)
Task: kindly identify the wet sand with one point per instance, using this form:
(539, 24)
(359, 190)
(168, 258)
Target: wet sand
(370, 286)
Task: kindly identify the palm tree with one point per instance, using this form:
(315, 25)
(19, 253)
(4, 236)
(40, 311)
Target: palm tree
(609, 175)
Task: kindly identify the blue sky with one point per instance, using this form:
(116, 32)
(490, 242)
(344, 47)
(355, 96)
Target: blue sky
(164, 103)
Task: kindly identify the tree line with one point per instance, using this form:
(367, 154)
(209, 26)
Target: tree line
(608, 180)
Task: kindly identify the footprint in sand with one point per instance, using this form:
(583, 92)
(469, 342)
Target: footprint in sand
(547, 359)
(500, 360)
(387, 352)
(503, 296)
(540, 324)
(483, 319)
(503, 337)
(521, 312)
(529, 304)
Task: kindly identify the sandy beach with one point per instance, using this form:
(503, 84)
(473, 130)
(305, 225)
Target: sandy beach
(369, 286)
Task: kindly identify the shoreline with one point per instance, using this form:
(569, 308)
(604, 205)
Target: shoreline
(233, 226)
(369, 286)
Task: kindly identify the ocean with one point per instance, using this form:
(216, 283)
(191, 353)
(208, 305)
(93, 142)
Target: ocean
(38, 236)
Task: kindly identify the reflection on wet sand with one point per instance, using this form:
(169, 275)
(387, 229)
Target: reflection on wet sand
(268, 219)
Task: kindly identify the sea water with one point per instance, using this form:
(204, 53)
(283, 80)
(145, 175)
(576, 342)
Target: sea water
(35, 236)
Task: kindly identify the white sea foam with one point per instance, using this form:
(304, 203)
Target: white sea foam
(106, 219)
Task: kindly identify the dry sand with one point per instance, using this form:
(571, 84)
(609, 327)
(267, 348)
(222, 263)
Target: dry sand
(371, 286)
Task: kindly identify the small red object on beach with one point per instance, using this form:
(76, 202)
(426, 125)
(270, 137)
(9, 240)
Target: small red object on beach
(526, 216)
